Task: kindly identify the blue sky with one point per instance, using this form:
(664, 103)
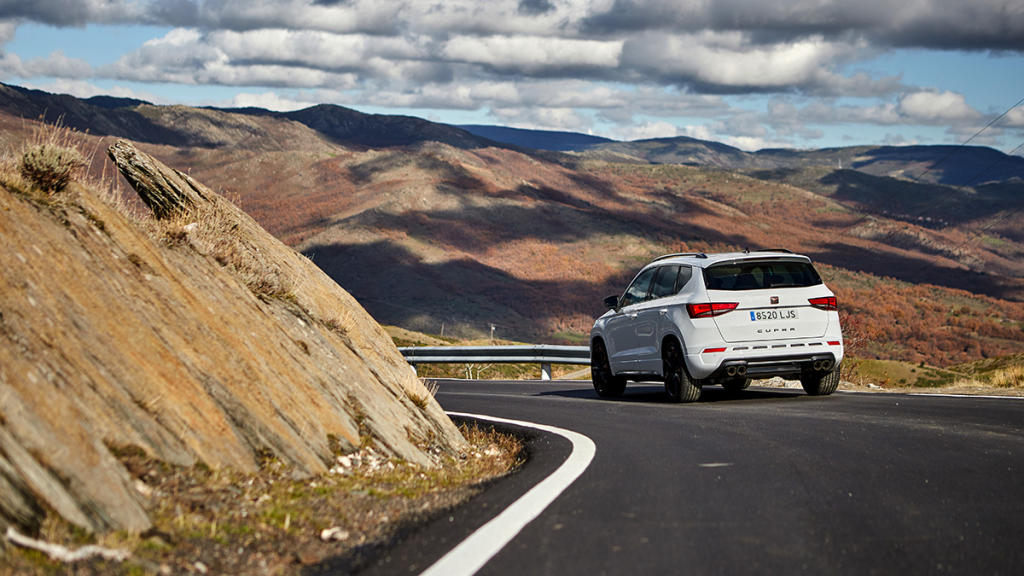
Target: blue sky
(789, 73)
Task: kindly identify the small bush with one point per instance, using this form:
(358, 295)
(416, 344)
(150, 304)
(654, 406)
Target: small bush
(51, 167)
(47, 161)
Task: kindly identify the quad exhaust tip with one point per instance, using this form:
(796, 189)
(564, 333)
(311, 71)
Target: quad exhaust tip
(822, 365)
(736, 371)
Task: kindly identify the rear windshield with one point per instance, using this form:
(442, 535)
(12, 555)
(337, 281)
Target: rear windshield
(758, 275)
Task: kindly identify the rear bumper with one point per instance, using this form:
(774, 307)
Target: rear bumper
(723, 366)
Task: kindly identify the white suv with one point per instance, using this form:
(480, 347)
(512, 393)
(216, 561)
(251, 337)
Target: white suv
(695, 319)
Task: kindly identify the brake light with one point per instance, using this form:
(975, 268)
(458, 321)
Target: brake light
(826, 303)
(706, 310)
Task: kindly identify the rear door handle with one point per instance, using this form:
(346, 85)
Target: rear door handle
(663, 311)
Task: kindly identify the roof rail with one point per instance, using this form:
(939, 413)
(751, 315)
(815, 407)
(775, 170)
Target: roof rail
(681, 255)
(770, 250)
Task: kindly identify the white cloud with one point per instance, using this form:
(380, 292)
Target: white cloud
(75, 12)
(533, 54)
(944, 24)
(752, 143)
(647, 130)
(937, 108)
(56, 65)
(544, 118)
(371, 16)
(83, 89)
(268, 101)
(898, 140)
(731, 60)
(1014, 118)
(320, 50)
(7, 30)
(698, 131)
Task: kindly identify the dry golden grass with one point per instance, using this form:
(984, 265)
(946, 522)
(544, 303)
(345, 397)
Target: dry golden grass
(422, 397)
(211, 232)
(1012, 377)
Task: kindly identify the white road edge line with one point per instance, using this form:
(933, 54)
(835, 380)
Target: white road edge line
(937, 395)
(929, 394)
(477, 549)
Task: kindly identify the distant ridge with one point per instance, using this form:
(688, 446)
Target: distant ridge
(100, 115)
(537, 139)
(169, 125)
(126, 118)
(351, 127)
(113, 102)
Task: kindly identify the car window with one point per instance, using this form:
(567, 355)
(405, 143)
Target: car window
(685, 273)
(637, 291)
(759, 275)
(664, 282)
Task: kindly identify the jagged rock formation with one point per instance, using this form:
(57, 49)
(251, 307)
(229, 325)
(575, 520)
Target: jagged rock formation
(205, 341)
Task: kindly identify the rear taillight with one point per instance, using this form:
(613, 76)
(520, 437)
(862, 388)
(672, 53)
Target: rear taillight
(710, 309)
(826, 303)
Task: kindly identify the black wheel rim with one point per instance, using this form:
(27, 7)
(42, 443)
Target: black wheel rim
(602, 368)
(672, 383)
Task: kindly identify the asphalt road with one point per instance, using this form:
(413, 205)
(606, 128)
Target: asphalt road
(767, 482)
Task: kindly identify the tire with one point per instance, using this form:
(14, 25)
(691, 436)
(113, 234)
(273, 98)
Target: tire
(736, 385)
(606, 384)
(820, 384)
(679, 387)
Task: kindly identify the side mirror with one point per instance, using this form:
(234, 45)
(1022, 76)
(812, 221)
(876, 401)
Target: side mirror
(612, 302)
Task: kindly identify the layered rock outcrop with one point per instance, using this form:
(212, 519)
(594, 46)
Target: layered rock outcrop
(197, 337)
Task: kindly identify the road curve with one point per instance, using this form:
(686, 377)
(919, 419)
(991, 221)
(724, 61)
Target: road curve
(766, 482)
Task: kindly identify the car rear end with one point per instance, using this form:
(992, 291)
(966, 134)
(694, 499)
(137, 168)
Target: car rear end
(770, 315)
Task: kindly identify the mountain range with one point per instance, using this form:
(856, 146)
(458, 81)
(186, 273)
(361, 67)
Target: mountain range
(449, 229)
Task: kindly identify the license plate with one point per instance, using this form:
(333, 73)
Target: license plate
(761, 315)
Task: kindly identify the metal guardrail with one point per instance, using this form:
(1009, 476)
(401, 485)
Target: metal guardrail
(543, 354)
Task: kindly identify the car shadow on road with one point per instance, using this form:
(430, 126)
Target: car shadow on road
(655, 394)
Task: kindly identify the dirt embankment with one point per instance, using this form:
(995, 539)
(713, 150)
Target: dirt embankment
(197, 338)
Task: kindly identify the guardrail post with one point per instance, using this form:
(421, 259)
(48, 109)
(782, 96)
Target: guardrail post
(545, 371)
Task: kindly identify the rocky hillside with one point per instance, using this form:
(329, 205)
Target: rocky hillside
(195, 337)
